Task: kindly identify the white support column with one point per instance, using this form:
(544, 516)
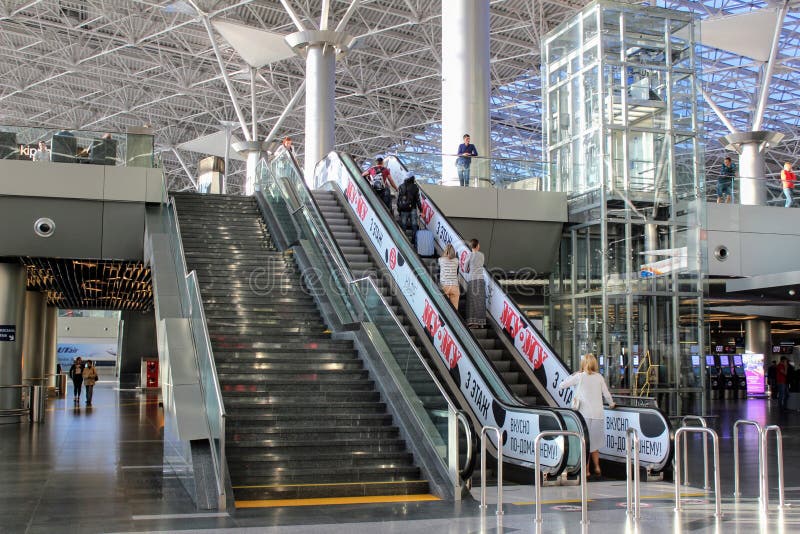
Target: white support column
(319, 49)
(465, 86)
(320, 97)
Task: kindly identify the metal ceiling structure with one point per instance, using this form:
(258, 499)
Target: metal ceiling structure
(113, 64)
(91, 284)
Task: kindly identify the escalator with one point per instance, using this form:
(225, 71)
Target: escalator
(538, 363)
(304, 417)
(374, 246)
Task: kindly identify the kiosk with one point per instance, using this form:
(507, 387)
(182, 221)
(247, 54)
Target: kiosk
(739, 378)
(726, 380)
(713, 376)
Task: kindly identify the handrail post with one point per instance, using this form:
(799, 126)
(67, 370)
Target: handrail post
(677, 474)
(703, 424)
(484, 450)
(454, 417)
(765, 468)
(736, 425)
(632, 504)
(538, 466)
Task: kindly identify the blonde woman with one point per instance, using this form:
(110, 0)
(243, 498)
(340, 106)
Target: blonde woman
(448, 275)
(590, 393)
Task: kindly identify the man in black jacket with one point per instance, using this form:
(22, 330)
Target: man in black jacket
(408, 204)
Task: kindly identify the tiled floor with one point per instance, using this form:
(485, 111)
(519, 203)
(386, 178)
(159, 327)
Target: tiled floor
(99, 470)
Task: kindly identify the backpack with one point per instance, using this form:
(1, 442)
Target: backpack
(404, 200)
(377, 178)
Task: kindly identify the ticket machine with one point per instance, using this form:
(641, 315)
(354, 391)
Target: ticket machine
(696, 369)
(713, 381)
(726, 376)
(739, 378)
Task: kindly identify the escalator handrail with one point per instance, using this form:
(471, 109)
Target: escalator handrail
(564, 402)
(447, 316)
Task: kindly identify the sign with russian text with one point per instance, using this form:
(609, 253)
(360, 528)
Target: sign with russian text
(519, 427)
(547, 367)
(8, 332)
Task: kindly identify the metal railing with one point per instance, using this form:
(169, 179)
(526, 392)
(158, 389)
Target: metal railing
(684, 422)
(632, 504)
(736, 425)
(32, 404)
(765, 467)
(484, 451)
(538, 472)
(677, 474)
(206, 366)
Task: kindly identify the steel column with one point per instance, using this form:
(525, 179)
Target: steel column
(465, 86)
(33, 338)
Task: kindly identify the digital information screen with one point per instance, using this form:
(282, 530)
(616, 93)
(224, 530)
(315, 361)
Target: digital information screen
(710, 361)
(724, 361)
(754, 373)
(695, 361)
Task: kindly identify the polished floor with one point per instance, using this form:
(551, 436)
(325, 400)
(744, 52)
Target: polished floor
(99, 469)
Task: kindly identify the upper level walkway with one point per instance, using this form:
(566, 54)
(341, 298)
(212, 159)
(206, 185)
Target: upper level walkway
(99, 469)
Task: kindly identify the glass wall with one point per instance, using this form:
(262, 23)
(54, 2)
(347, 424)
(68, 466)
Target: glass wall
(621, 134)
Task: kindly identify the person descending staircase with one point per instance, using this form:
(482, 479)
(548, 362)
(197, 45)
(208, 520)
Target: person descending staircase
(304, 419)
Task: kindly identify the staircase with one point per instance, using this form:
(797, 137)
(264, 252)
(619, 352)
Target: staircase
(304, 420)
(362, 264)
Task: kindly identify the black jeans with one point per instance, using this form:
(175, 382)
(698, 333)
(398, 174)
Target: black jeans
(89, 392)
(76, 385)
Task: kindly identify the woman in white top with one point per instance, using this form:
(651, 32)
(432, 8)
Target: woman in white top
(448, 275)
(591, 391)
(476, 287)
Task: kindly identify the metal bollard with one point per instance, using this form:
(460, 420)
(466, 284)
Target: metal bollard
(632, 504)
(715, 443)
(765, 467)
(37, 396)
(484, 433)
(703, 424)
(736, 425)
(538, 467)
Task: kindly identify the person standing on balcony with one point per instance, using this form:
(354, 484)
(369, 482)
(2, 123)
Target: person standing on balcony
(466, 151)
(787, 183)
(42, 154)
(725, 182)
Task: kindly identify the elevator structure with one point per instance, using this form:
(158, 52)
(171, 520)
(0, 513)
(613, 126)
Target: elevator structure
(621, 134)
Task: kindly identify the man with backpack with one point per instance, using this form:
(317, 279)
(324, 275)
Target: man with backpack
(408, 204)
(380, 179)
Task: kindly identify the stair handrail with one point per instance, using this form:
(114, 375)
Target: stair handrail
(483, 378)
(218, 459)
(519, 323)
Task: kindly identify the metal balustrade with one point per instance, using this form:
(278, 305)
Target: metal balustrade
(484, 452)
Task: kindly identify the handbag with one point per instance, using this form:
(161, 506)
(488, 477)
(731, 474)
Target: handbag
(576, 401)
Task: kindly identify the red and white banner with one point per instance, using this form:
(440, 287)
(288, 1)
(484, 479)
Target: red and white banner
(548, 369)
(519, 427)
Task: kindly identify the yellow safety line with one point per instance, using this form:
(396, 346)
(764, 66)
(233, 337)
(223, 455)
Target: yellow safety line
(332, 501)
(328, 484)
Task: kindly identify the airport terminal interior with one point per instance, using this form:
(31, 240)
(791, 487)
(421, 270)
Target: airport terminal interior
(461, 266)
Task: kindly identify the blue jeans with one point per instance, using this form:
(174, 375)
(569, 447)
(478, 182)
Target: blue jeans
(408, 221)
(783, 396)
(788, 194)
(463, 175)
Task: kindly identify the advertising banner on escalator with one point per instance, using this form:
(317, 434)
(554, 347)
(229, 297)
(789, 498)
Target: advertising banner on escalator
(518, 427)
(548, 369)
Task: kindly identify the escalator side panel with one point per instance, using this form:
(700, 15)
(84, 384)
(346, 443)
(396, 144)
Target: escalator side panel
(654, 428)
(518, 427)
